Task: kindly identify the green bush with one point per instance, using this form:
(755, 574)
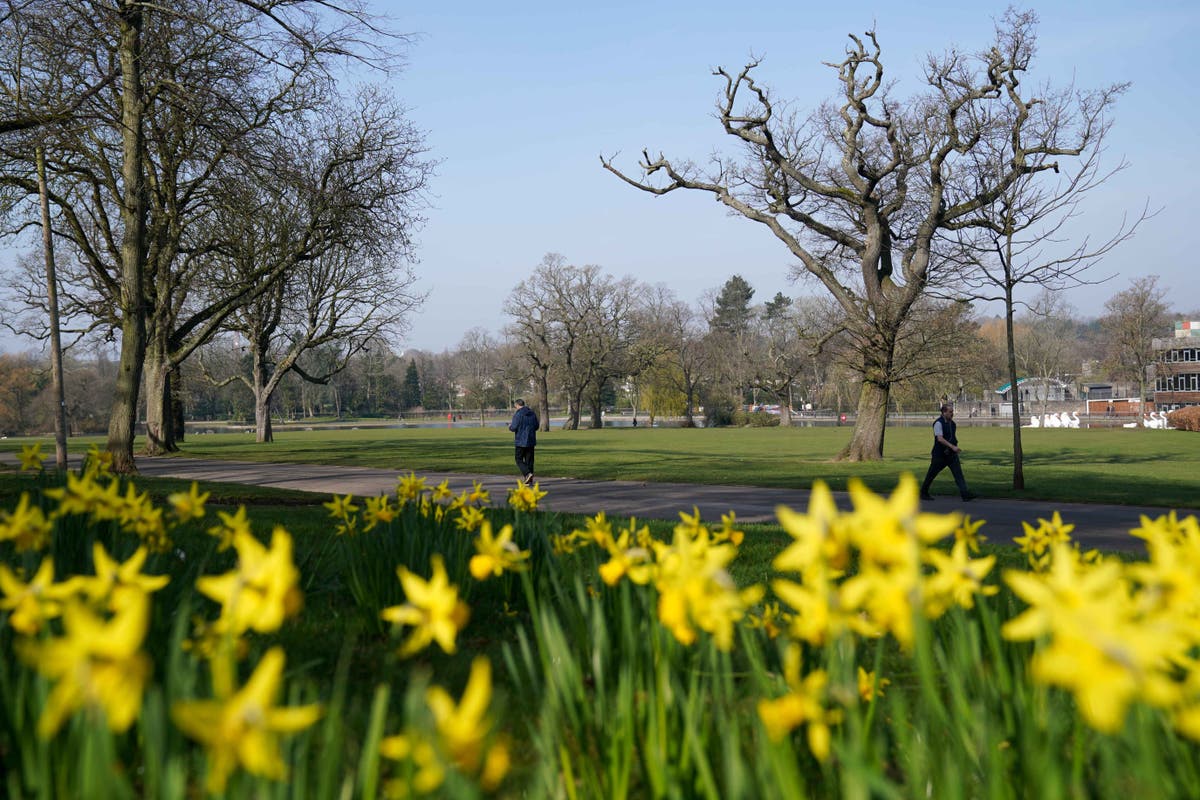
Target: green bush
(755, 419)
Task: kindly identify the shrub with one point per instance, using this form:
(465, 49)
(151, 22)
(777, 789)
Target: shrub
(718, 415)
(1185, 419)
(755, 419)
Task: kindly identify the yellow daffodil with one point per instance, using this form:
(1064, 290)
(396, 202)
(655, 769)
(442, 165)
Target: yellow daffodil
(525, 498)
(496, 553)
(114, 583)
(262, 591)
(968, 531)
(479, 496)
(804, 704)
(97, 463)
(232, 526)
(463, 727)
(627, 558)
(410, 488)
(244, 729)
(469, 518)
(82, 495)
(694, 588)
(189, 505)
(32, 457)
(728, 531)
(1099, 642)
(96, 664)
(817, 534)
(597, 530)
(433, 609)
(890, 532)
(869, 687)
(25, 526)
(772, 621)
(379, 510)
(817, 618)
(34, 602)
(429, 773)
(341, 507)
(442, 492)
(1037, 542)
(957, 579)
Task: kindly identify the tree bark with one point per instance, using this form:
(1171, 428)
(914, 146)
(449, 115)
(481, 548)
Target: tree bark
(1018, 456)
(543, 399)
(869, 425)
(133, 246)
(262, 417)
(160, 430)
(56, 363)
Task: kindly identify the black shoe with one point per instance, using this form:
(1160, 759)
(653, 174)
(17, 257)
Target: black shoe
(969, 496)
(927, 497)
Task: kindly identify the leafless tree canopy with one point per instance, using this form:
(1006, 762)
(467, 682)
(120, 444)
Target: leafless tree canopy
(180, 103)
(861, 189)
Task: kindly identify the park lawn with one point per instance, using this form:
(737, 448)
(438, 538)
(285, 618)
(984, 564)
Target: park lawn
(1123, 466)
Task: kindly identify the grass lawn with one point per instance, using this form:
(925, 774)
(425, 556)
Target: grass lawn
(1138, 467)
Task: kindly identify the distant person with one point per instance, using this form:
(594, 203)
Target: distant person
(635, 422)
(945, 454)
(524, 426)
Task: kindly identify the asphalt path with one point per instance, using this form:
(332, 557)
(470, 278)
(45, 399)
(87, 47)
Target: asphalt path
(1101, 526)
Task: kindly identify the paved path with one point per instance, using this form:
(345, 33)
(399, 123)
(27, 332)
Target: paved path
(1103, 526)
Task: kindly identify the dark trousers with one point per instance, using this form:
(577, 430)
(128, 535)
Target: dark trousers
(939, 462)
(525, 460)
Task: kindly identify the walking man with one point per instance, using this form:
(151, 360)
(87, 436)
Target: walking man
(945, 454)
(524, 426)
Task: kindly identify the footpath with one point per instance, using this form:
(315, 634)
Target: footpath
(1101, 526)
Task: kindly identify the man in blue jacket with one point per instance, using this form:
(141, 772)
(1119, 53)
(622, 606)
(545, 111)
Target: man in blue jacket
(524, 426)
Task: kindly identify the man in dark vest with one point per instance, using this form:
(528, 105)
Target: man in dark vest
(524, 426)
(945, 454)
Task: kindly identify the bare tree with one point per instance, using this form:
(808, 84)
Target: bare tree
(478, 363)
(862, 189)
(1047, 350)
(1021, 241)
(287, 35)
(535, 329)
(1131, 320)
(578, 321)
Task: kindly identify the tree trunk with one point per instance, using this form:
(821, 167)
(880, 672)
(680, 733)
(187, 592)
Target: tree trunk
(543, 399)
(160, 433)
(866, 444)
(597, 412)
(174, 393)
(264, 387)
(574, 401)
(1018, 477)
(262, 416)
(689, 410)
(56, 363)
(133, 247)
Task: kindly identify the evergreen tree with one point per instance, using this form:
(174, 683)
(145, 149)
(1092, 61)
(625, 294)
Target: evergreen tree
(732, 312)
(410, 392)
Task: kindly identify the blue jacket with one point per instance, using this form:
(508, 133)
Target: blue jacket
(524, 425)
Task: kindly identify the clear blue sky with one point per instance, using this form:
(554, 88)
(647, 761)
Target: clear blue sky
(520, 99)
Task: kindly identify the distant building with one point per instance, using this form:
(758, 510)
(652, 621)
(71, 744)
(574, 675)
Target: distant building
(1177, 368)
(1034, 390)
